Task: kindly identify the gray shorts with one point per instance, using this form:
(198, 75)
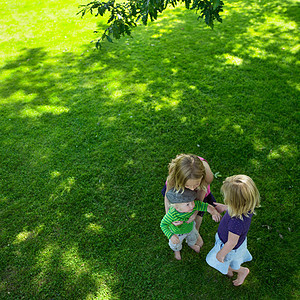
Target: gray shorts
(191, 239)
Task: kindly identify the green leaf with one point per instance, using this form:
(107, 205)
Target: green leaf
(108, 38)
(216, 3)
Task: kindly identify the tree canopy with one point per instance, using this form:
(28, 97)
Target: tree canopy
(123, 16)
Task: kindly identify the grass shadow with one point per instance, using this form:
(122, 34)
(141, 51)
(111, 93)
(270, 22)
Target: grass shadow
(87, 139)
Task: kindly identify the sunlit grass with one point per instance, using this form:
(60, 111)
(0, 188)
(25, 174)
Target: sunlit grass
(86, 137)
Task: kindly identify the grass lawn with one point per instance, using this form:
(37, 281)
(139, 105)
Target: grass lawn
(86, 137)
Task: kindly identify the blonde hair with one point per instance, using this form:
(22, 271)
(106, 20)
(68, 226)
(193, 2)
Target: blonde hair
(183, 168)
(240, 195)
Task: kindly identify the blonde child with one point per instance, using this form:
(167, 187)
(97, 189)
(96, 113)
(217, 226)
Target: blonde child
(192, 172)
(230, 250)
(181, 209)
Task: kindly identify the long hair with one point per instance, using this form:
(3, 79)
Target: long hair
(240, 195)
(185, 167)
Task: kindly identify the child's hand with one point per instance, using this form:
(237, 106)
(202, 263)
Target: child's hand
(177, 223)
(192, 217)
(220, 257)
(175, 239)
(216, 217)
(214, 213)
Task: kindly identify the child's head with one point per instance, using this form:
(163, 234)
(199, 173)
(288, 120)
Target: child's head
(182, 201)
(186, 171)
(240, 195)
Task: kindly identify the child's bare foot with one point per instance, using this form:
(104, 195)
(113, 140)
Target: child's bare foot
(177, 255)
(242, 274)
(196, 248)
(230, 273)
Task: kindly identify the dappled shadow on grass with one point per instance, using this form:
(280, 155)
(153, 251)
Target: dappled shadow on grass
(86, 140)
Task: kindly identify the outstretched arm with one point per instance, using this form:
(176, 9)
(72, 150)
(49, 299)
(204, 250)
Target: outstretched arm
(220, 207)
(214, 213)
(228, 246)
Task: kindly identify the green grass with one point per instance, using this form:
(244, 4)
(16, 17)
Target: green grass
(86, 137)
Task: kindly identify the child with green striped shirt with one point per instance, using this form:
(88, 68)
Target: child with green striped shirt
(181, 208)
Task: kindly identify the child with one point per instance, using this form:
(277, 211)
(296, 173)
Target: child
(188, 171)
(181, 208)
(230, 250)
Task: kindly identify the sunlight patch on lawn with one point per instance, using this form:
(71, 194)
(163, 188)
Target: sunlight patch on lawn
(174, 71)
(117, 94)
(89, 215)
(100, 186)
(64, 187)
(257, 52)
(258, 144)
(294, 85)
(238, 129)
(46, 254)
(73, 263)
(225, 126)
(128, 163)
(113, 83)
(103, 290)
(22, 237)
(95, 228)
(283, 150)
(265, 35)
(140, 88)
(25, 235)
(171, 101)
(38, 111)
(19, 96)
(111, 119)
(160, 33)
(230, 59)
(204, 120)
(234, 7)
(55, 174)
(255, 162)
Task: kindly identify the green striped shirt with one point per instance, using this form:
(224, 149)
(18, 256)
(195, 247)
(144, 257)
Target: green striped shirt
(173, 215)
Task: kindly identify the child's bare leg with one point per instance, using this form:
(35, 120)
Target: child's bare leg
(242, 274)
(230, 272)
(177, 255)
(198, 221)
(198, 244)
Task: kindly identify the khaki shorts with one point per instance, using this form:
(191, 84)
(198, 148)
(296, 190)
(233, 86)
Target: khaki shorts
(191, 239)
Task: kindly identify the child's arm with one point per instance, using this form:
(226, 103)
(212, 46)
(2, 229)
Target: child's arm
(167, 204)
(192, 217)
(214, 213)
(209, 177)
(175, 239)
(220, 207)
(228, 246)
(164, 225)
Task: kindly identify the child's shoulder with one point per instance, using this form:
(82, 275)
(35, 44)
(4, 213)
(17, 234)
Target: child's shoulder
(172, 211)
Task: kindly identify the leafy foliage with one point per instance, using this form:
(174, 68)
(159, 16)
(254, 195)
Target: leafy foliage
(126, 15)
